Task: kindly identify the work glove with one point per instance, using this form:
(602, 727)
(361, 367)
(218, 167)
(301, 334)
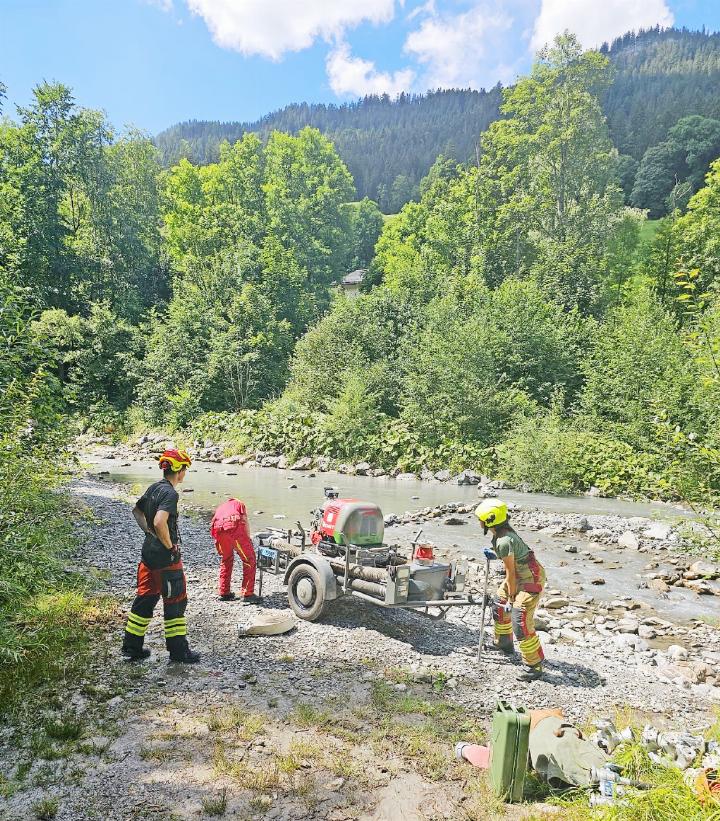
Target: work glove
(490, 555)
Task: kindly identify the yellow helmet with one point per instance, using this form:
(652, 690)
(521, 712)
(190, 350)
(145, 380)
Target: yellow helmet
(491, 512)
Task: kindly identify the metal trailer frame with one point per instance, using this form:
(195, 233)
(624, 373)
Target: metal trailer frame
(333, 585)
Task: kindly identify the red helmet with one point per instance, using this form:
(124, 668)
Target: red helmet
(174, 460)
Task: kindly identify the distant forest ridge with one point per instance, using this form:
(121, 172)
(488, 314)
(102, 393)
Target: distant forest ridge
(661, 76)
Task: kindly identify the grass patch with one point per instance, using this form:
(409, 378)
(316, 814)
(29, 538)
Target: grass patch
(260, 803)
(417, 729)
(306, 716)
(159, 754)
(216, 805)
(46, 808)
(246, 725)
(57, 636)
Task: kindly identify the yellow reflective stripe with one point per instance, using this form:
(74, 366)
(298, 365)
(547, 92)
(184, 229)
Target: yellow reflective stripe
(177, 631)
(173, 622)
(529, 645)
(139, 620)
(503, 629)
(136, 631)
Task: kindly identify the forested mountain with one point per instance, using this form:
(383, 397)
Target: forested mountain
(660, 76)
(387, 145)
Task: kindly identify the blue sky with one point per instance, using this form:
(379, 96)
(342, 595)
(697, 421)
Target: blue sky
(151, 63)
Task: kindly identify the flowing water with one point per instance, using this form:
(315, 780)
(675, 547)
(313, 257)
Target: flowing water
(271, 501)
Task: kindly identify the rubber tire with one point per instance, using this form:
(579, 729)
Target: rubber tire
(319, 604)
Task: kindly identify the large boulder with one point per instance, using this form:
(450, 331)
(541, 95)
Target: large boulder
(363, 468)
(305, 463)
(702, 570)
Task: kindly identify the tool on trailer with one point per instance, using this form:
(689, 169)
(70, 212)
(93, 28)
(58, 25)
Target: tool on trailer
(489, 556)
(346, 555)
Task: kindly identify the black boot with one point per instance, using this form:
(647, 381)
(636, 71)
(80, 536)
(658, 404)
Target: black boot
(135, 653)
(531, 673)
(132, 647)
(227, 597)
(251, 599)
(180, 651)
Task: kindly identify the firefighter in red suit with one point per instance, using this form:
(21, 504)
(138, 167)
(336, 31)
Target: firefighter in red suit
(160, 572)
(231, 534)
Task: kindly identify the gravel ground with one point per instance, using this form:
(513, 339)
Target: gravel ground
(155, 749)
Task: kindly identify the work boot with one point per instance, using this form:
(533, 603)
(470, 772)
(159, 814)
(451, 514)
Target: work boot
(135, 653)
(227, 597)
(531, 673)
(185, 656)
(502, 649)
(251, 599)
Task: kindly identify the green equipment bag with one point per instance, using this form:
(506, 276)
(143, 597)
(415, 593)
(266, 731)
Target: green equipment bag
(509, 751)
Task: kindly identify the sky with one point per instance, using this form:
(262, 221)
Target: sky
(152, 63)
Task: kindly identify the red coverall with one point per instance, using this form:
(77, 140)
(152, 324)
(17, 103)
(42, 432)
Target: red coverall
(229, 529)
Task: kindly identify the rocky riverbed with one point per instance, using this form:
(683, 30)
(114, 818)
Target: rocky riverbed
(306, 725)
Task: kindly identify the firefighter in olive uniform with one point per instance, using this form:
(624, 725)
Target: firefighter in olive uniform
(160, 572)
(518, 595)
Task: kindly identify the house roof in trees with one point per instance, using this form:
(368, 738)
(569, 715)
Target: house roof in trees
(354, 277)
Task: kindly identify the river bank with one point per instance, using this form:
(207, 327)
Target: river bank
(351, 717)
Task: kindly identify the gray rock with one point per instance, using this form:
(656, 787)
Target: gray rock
(455, 520)
(305, 463)
(677, 652)
(629, 539)
(443, 475)
(658, 531)
(363, 468)
(556, 603)
(628, 625)
(702, 570)
(406, 477)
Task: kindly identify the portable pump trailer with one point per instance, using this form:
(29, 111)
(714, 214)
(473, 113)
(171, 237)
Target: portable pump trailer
(348, 557)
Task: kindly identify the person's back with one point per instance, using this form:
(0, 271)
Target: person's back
(231, 533)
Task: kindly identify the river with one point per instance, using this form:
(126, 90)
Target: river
(271, 500)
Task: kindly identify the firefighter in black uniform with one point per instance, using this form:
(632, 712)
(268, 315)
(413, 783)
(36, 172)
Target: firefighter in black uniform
(160, 573)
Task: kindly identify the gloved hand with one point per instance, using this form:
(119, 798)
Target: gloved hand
(490, 555)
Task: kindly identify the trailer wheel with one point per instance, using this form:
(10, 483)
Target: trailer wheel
(305, 593)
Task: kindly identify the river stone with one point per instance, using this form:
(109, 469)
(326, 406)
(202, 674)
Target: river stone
(305, 463)
(598, 581)
(556, 603)
(658, 531)
(677, 652)
(659, 585)
(646, 632)
(443, 475)
(700, 586)
(230, 460)
(628, 539)
(406, 477)
(454, 520)
(702, 570)
(628, 625)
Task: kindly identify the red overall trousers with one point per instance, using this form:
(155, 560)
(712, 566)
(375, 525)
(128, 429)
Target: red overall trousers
(230, 532)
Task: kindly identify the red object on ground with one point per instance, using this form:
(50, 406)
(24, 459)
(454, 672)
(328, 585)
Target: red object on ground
(424, 551)
(230, 531)
(474, 754)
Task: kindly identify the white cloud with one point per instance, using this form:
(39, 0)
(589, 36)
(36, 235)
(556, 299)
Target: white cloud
(454, 47)
(273, 27)
(353, 76)
(597, 21)
(163, 5)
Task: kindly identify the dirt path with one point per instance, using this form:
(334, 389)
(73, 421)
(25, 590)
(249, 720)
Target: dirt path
(351, 718)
